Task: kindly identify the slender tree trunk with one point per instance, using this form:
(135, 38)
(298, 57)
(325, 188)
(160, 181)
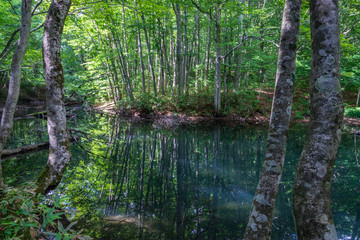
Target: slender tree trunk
(7, 118)
(149, 56)
(312, 202)
(123, 63)
(185, 64)
(217, 63)
(142, 66)
(179, 78)
(208, 54)
(59, 150)
(260, 220)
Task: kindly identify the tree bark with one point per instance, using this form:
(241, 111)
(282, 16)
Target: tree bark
(7, 118)
(217, 63)
(142, 66)
(260, 220)
(59, 150)
(312, 203)
(179, 78)
(151, 66)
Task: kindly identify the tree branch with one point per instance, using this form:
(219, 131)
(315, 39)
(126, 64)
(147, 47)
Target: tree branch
(78, 9)
(202, 10)
(12, 7)
(9, 42)
(243, 39)
(87, 3)
(7, 49)
(37, 5)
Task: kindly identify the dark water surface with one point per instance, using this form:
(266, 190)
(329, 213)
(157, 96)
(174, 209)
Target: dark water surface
(132, 181)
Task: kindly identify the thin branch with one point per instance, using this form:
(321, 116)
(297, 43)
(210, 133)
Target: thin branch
(243, 39)
(202, 10)
(9, 42)
(39, 13)
(87, 3)
(37, 28)
(78, 9)
(12, 7)
(355, 79)
(26, 66)
(37, 5)
(262, 39)
(236, 47)
(7, 51)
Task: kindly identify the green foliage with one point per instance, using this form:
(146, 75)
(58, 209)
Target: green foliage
(199, 104)
(24, 215)
(243, 102)
(352, 112)
(301, 107)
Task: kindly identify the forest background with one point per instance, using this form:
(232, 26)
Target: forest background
(161, 56)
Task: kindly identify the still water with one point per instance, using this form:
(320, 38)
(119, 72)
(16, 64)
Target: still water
(136, 181)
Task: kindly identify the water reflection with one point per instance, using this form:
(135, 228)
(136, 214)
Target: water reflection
(131, 181)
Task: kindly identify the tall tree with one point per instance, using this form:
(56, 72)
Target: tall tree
(312, 204)
(217, 99)
(59, 150)
(179, 77)
(7, 118)
(259, 224)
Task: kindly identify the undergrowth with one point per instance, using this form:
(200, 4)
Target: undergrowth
(25, 215)
(352, 112)
(244, 103)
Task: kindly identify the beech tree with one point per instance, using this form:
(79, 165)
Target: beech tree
(59, 150)
(312, 203)
(7, 118)
(259, 225)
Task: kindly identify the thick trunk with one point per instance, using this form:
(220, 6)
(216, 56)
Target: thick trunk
(7, 118)
(260, 220)
(59, 150)
(312, 203)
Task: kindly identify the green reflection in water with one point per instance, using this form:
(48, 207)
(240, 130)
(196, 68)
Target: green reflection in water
(134, 181)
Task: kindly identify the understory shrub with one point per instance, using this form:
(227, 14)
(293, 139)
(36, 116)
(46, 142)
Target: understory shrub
(352, 112)
(25, 215)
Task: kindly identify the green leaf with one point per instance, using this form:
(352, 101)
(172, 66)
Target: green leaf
(57, 200)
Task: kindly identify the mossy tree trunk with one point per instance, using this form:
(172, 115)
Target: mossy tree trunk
(59, 150)
(312, 203)
(260, 219)
(7, 118)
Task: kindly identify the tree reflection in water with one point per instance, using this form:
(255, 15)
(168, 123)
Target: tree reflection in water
(134, 181)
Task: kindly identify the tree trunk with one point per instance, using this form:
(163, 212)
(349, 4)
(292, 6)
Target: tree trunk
(312, 203)
(179, 78)
(142, 67)
(217, 63)
(7, 118)
(260, 220)
(149, 56)
(59, 150)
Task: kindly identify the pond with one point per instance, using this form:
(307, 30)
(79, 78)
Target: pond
(136, 181)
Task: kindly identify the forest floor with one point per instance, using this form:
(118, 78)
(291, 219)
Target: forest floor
(300, 112)
(258, 115)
